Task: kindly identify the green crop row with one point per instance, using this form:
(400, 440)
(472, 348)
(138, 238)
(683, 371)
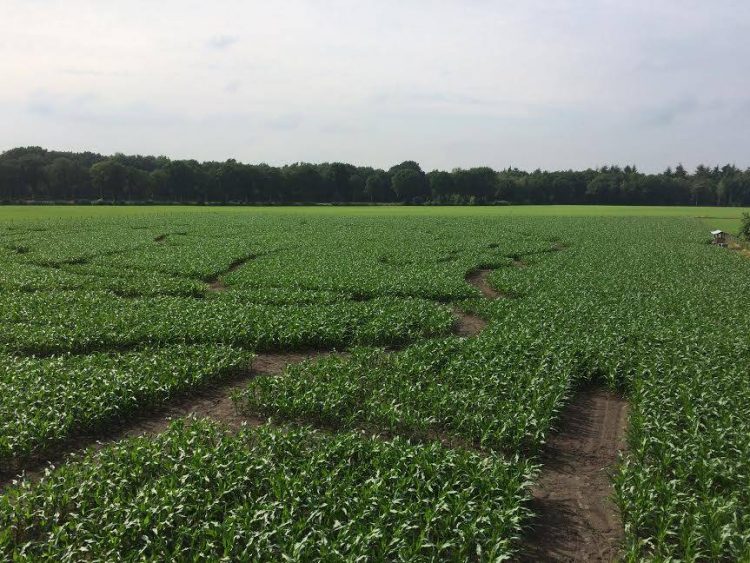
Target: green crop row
(197, 493)
(16, 276)
(494, 395)
(48, 323)
(44, 400)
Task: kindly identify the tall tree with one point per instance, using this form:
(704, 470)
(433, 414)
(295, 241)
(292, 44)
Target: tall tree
(109, 179)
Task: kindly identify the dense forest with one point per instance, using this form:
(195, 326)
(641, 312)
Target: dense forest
(34, 174)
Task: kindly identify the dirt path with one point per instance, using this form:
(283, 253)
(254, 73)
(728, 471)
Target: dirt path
(214, 401)
(216, 283)
(478, 278)
(466, 324)
(576, 519)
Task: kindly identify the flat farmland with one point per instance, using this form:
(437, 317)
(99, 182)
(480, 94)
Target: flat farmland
(386, 383)
(727, 218)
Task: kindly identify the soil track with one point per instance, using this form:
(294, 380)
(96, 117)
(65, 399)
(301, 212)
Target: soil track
(478, 278)
(576, 518)
(213, 400)
(466, 324)
(217, 284)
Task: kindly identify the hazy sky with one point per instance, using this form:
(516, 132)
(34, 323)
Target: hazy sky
(527, 83)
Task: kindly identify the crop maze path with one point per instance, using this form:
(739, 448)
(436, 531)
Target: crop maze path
(212, 400)
(576, 517)
(216, 282)
(478, 279)
(466, 324)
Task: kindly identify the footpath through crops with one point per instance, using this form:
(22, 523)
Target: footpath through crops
(416, 444)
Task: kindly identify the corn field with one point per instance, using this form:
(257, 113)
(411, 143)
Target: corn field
(412, 443)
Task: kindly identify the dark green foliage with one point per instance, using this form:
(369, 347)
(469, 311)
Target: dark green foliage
(745, 228)
(35, 174)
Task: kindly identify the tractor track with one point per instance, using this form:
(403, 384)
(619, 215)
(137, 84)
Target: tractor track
(213, 400)
(575, 517)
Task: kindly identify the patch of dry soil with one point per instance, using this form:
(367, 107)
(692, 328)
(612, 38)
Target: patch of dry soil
(217, 284)
(466, 324)
(478, 278)
(576, 518)
(214, 401)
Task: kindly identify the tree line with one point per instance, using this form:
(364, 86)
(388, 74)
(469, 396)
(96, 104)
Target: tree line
(34, 174)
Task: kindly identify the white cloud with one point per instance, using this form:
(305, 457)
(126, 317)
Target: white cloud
(542, 83)
(222, 41)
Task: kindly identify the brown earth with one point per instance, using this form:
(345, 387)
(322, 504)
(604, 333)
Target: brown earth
(466, 324)
(160, 238)
(213, 401)
(741, 248)
(576, 518)
(478, 278)
(217, 284)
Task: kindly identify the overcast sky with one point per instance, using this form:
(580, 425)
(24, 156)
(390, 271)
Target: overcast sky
(533, 83)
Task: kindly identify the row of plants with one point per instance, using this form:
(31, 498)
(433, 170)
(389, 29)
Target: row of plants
(642, 305)
(17, 276)
(498, 395)
(45, 400)
(271, 494)
(45, 323)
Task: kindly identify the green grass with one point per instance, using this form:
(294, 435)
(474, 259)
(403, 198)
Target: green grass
(727, 218)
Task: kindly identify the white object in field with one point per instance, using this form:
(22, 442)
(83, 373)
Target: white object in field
(720, 237)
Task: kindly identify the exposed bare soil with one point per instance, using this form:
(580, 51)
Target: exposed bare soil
(739, 247)
(217, 283)
(478, 278)
(576, 518)
(213, 401)
(466, 324)
(160, 238)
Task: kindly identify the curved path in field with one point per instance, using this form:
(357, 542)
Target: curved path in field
(212, 400)
(216, 283)
(478, 279)
(575, 518)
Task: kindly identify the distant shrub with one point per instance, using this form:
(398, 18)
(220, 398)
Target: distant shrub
(745, 229)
